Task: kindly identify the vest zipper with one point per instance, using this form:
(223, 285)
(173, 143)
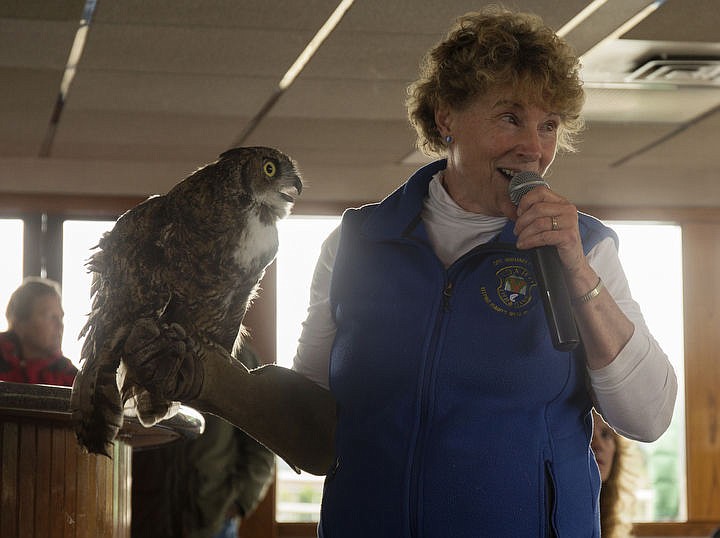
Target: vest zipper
(427, 384)
(447, 293)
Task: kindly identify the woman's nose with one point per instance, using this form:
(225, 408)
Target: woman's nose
(530, 145)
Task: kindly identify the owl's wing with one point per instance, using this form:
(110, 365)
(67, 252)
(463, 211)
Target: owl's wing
(125, 288)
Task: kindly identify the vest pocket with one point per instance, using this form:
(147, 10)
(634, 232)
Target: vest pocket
(550, 530)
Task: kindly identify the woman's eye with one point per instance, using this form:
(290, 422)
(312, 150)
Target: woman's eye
(550, 126)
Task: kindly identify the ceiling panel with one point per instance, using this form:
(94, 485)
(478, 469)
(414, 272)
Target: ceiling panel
(91, 176)
(163, 87)
(628, 104)
(340, 98)
(214, 95)
(27, 99)
(33, 56)
(37, 44)
(68, 10)
(352, 142)
(367, 55)
(192, 50)
(696, 145)
(612, 140)
(680, 20)
(591, 182)
(143, 136)
(433, 17)
(291, 15)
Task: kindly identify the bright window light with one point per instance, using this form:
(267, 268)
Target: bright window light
(11, 268)
(297, 495)
(651, 255)
(79, 239)
(300, 242)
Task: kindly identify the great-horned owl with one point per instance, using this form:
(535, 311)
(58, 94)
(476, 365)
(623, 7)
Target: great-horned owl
(191, 258)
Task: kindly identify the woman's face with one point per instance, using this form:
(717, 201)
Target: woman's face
(497, 134)
(603, 445)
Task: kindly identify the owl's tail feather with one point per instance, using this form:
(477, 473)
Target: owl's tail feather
(96, 406)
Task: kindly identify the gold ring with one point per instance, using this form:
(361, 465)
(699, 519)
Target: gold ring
(555, 224)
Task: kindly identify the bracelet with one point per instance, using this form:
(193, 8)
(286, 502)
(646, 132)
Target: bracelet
(589, 296)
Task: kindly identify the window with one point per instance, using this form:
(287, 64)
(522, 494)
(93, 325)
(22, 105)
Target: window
(79, 238)
(651, 255)
(298, 496)
(11, 273)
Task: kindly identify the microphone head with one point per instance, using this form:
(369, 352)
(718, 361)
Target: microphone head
(522, 183)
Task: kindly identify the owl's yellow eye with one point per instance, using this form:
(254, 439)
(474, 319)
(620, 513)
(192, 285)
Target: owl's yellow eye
(269, 168)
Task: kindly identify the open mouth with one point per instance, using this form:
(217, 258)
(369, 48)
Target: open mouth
(508, 173)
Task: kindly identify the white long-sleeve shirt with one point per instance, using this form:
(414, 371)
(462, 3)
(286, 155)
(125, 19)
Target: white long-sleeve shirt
(635, 393)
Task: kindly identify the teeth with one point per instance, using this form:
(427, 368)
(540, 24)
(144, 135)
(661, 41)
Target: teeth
(508, 172)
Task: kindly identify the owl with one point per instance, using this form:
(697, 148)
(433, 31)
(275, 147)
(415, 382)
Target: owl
(189, 260)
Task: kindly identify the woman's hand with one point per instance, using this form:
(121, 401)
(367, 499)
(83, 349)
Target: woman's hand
(544, 218)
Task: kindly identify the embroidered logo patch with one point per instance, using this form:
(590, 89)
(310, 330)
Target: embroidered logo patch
(514, 289)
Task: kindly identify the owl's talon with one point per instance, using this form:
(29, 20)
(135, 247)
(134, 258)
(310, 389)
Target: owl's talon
(164, 360)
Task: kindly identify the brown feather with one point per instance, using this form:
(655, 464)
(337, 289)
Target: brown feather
(193, 258)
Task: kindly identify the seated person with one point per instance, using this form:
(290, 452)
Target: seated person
(30, 351)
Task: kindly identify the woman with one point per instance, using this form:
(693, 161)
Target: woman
(437, 405)
(615, 458)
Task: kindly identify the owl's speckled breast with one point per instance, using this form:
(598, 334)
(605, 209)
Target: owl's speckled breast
(257, 244)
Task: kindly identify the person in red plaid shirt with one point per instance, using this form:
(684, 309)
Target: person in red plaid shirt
(30, 351)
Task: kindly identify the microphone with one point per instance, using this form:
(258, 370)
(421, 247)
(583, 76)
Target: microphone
(549, 272)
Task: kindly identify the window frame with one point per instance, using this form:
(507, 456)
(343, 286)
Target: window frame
(700, 228)
(701, 257)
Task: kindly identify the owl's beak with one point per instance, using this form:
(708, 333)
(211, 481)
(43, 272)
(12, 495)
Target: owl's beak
(296, 187)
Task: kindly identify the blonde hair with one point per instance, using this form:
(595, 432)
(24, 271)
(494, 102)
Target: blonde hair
(491, 48)
(20, 305)
(617, 495)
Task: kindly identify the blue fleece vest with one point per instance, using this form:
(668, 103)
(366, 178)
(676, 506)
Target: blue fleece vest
(456, 416)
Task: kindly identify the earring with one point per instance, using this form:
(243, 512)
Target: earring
(448, 139)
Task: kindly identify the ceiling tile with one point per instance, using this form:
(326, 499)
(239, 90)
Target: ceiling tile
(305, 15)
(36, 44)
(57, 10)
(217, 95)
(192, 50)
(143, 136)
(341, 98)
(680, 20)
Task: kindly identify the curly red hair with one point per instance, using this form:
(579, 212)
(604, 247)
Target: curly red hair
(490, 48)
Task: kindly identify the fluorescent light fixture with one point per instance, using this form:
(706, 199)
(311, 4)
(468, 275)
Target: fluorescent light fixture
(591, 8)
(295, 69)
(75, 54)
(68, 76)
(629, 24)
(314, 44)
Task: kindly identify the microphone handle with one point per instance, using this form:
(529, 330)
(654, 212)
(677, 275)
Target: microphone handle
(555, 298)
